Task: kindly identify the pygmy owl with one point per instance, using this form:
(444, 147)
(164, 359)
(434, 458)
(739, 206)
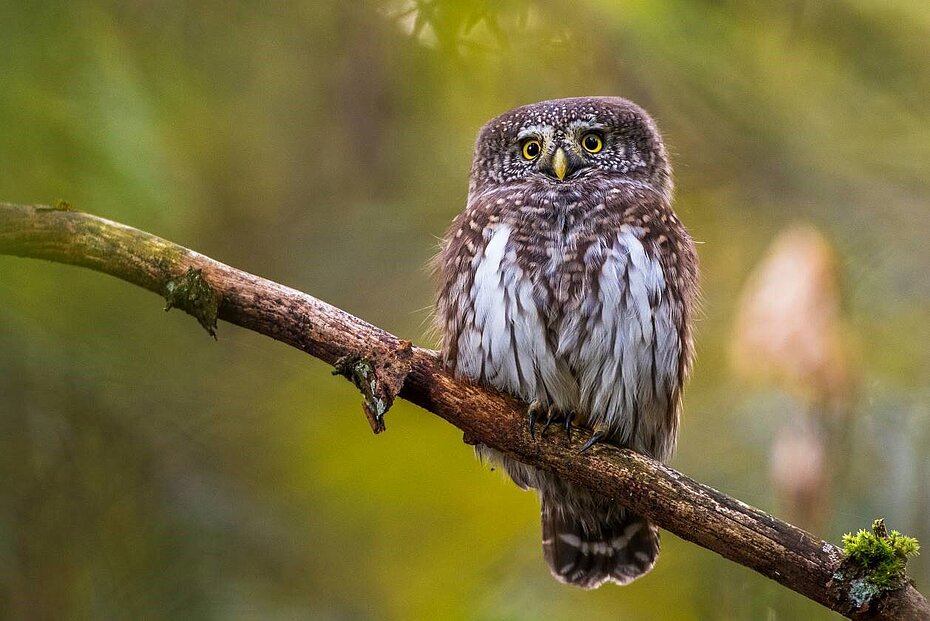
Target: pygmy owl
(569, 282)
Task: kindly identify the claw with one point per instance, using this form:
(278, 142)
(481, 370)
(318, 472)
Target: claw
(533, 413)
(568, 426)
(596, 437)
(551, 416)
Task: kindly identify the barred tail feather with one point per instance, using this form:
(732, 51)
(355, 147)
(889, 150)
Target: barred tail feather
(588, 550)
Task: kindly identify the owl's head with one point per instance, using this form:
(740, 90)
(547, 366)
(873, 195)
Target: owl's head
(568, 141)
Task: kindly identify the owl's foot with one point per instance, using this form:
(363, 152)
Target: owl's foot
(553, 414)
(598, 435)
(566, 419)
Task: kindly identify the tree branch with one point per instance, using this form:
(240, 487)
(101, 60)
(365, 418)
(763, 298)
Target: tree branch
(381, 365)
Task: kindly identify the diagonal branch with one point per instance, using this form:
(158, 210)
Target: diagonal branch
(380, 364)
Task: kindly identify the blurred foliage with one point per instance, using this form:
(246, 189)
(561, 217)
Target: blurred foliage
(152, 473)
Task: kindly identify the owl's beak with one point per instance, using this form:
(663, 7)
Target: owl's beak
(560, 163)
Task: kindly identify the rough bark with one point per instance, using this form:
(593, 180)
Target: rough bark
(380, 364)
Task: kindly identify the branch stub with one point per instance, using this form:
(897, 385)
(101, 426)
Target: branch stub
(193, 294)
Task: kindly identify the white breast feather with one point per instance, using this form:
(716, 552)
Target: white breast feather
(629, 357)
(616, 358)
(508, 343)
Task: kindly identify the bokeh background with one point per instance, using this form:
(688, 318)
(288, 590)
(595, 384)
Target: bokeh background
(149, 472)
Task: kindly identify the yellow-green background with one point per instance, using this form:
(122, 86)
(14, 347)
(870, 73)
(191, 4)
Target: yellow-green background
(147, 472)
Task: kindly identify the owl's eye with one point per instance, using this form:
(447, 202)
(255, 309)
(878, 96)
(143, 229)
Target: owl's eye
(531, 149)
(592, 143)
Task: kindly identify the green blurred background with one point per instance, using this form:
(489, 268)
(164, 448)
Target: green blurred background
(149, 472)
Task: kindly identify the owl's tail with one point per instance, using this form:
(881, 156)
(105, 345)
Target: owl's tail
(597, 544)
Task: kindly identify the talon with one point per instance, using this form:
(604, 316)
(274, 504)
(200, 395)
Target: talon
(532, 413)
(594, 439)
(551, 416)
(568, 426)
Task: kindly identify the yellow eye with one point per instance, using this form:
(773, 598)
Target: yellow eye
(592, 143)
(531, 149)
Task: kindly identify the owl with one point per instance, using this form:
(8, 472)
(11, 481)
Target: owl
(569, 282)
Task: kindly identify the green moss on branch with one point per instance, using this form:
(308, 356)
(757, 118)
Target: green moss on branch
(881, 557)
